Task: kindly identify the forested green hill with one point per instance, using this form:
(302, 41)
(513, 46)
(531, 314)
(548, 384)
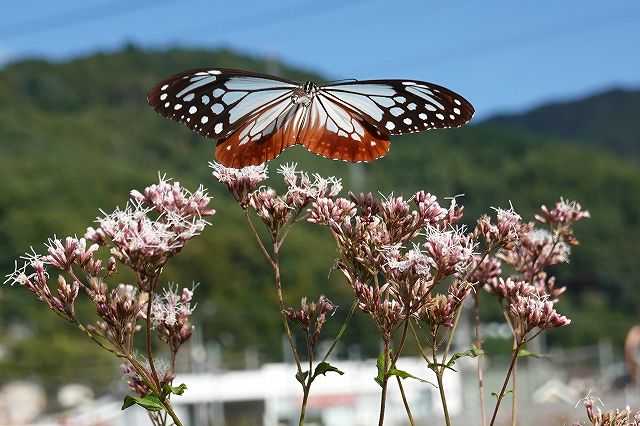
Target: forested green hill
(77, 136)
(608, 120)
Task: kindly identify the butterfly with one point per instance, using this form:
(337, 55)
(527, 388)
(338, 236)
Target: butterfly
(254, 117)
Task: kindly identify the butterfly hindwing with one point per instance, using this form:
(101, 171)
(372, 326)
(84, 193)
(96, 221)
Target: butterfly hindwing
(338, 132)
(263, 136)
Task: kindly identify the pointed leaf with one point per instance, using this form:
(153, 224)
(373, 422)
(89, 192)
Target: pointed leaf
(404, 375)
(301, 376)
(381, 373)
(526, 353)
(470, 353)
(168, 389)
(495, 395)
(324, 368)
(150, 402)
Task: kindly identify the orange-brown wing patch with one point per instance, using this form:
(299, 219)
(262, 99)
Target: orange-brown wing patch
(336, 132)
(263, 137)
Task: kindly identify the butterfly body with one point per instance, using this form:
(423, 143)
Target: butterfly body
(253, 117)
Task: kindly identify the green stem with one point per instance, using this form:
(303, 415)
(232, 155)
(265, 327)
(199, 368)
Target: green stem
(443, 397)
(342, 330)
(439, 374)
(451, 333)
(405, 402)
(305, 398)
(285, 323)
(476, 312)
(514, 384)
(385, 380)
(506, 381)
(152, 366)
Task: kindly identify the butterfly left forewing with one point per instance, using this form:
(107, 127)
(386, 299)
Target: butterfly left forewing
(216, 102)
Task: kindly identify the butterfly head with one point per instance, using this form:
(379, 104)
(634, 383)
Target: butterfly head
(305, 93)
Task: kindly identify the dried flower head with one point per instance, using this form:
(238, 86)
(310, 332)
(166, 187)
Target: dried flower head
(136, 382)
(240, 182)
(170, 314)
(617, 417)
(310, 313)
(440, 309)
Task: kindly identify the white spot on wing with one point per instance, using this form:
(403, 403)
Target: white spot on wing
(189, 97)
(163, 96)
(193, 110)
(364, 89)
(253, 83)
(193, 86)
(218, 129)
(390, 125)
(407, 121)
(164, 87)
(395, 111)
(218, 92)
(177, 106)
(254, 102)
(217, 108)
(204, 119)
(232, 97)
(440, 116)
(385, 102)
(205, 99)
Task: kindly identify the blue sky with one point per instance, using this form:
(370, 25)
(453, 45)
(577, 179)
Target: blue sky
(502, 56)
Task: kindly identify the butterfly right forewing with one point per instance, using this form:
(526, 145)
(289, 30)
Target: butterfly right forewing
(402, 106)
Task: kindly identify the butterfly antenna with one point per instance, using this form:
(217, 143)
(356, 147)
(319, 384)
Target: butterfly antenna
(341, 81)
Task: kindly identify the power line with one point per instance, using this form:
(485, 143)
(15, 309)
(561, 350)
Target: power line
(66, 19)
(279, 15)
(517, 40)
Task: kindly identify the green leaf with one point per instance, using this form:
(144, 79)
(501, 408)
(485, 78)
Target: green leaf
(470, 353)
(381, 373)
(301, 376)
(324, 368)
(404, 375)
(150, 402)
(526, 353)
(507, 392)
(167, 389)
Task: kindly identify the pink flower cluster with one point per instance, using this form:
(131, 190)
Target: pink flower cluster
(390, 281)
(617, 417)
(240, 182)
(170, 313)
(310, 313)
(527, 307)
(145, 241)
(276, 210)
(155, 225)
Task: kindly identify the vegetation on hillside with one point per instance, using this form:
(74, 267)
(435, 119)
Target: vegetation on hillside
(77, 136)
